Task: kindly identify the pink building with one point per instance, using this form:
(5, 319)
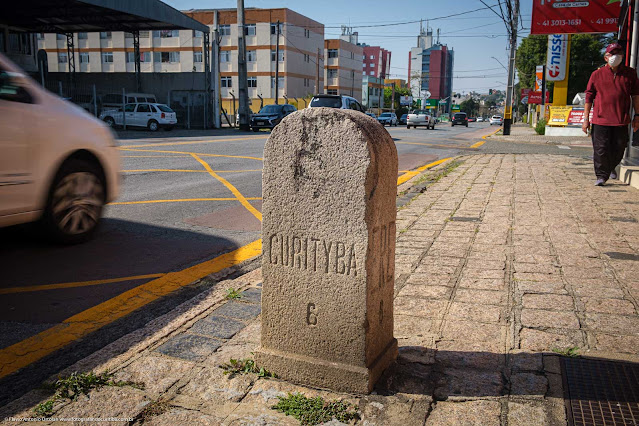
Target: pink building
(376, 61)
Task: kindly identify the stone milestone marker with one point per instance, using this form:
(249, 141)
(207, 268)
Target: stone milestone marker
(328, 258)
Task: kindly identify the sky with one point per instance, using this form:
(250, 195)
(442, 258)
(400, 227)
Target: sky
(475, 37)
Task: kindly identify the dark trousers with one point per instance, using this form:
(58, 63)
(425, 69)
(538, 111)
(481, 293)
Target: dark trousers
(609, 144)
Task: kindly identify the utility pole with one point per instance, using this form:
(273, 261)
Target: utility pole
(317, 75)
(215, 71)
(241, 68)
(393, 99)
(277, 61)
(508, 111)
(543, 93)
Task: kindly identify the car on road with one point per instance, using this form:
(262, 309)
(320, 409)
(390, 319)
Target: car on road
(387, 118)
(496, 119)
(402, 119)
(270, 116)
(460, 118)
(115, 100)
(336, 101)
(370, 114)
(58, 164)
(480, 119)
(472, 119)
(151, 116)
(421, 117)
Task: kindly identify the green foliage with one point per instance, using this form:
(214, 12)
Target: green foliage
(540, 128)
(399, 91)
(470, 106)
(77, 384)
(232, 294)
(245, 366)
(571, 352)
(313, 411)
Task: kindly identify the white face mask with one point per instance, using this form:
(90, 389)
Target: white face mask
(614, 60)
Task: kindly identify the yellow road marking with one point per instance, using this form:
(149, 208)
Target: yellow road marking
(231, 188)
(432, 144)
(31, 288)
(189, 171)
(183, 200)
(80, 325)
(156, 156)
(194, 142)
(409, 175)
(483, 141)
(191, 153)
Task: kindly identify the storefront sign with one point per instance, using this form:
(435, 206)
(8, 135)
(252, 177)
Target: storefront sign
(539, 75)
(405, 100)
(575, 16)
(559, 115)
(531, 97)
(557, 56)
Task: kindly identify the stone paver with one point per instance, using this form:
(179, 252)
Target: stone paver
(547, 263)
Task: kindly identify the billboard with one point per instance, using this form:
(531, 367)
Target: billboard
(559, 115)
(557, 57)
(539, 75)
(405, 100)
(575, 16)
(532, 97)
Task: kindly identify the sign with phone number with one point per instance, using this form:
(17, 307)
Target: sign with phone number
(575, 16)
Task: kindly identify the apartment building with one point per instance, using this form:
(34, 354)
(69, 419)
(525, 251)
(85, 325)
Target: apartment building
(343, 68)
(372, 93)
(377, 61)
(398, 82)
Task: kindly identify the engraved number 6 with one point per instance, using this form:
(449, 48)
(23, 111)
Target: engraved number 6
(311, 314)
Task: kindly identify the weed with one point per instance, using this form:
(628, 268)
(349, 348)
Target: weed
(233, 294)
(540, 128)
(155, 408)
(71, 387)
(571, 352)
(313, 411)
(245, 366)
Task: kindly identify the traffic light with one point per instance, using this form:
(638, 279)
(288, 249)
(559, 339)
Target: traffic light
(490, 91)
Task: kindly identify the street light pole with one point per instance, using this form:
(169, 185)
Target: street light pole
(508, 110)
(241, 68)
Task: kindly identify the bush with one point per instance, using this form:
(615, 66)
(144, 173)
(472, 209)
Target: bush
(540, 128)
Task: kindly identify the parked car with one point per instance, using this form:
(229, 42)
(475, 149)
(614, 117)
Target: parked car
(151, 116)
(58, 164)
(335, 101)
(270, 116)
(422, 117)
(370, 114)
(496, 119)
(114, 100)
(480, 119)
(402, 119)
(459, 118)
(387, 118)
(472, 119)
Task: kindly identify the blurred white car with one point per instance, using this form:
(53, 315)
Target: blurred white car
(496, 119)
(421, 117)
(151, 116)
(58, 164)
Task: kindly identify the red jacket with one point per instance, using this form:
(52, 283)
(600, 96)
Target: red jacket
(611, 93)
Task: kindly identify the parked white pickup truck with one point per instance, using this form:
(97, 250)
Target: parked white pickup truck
(421, 117)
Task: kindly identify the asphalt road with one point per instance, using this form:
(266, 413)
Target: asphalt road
(187, 197)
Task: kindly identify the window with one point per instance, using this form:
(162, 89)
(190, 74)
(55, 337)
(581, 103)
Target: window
(129, 107)
(352, 75)
(226, 82)
(364, 58)
(83, 36)
(197, 56)
(332, 53)
(84, 57)
(372, 56)
(307, 58)
(197, 34)
(166, 33)
(144, 108)
(281, 55)
(249, 30)
(352, 55)
(144, 57)
(307, 82)
(105, 35)
(274, 28)
(166, 57)
(332, 73)
(225, 56)
(280, 82)
(225, 30)
(252, 81)
(40, 36)
(331, 92)
(62, 58)
(12, 90)
(107, 57)
(363, 65)
(307, 33)
(251, 55)
(372, 73)
(60, 37)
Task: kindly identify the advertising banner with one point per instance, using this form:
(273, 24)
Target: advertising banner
(405, 100)
(431, 103)
(539, 75)
(557, 56)
(575, 16)
(531, 97)
(559, 115)
(576, 117)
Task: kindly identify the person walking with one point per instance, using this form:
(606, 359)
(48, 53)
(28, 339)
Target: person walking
(611, 88)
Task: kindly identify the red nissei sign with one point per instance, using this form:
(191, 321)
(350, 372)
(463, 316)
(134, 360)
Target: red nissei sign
(531, 97)
(575, 16)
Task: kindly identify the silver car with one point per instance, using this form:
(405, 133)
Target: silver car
(336, 101)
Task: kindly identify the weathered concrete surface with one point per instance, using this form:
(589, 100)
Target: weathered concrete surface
(328, 230)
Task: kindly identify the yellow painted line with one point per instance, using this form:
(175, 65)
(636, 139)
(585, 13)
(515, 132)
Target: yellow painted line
(191, 153)
(156, 156)
(433, 145)
(483, 141)
(409, 175)
(183, 200)
(81, 325)
(193, 142)
(189, 171)
(231, 188)
(31, 288)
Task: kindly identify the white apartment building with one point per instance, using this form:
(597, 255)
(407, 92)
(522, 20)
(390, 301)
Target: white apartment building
(343, 68)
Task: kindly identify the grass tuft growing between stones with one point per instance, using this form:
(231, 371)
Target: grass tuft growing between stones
(245, 366)
(232, 294)
(71, 387)
(314, 411)
(155, 408)
(571, 352)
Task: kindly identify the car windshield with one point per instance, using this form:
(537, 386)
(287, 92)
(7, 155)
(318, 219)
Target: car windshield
(458, 115)
(163, 108)
(385, 114)
(271, 109)
(421, 111)
(326, 102)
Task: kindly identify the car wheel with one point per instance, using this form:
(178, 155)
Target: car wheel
(408, 127)
(466, 124)
(153, 125)
(109, 121)
(75, 202)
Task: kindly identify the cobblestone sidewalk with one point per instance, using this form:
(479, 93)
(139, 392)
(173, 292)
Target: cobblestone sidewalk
(502, 265)
(522, 133)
